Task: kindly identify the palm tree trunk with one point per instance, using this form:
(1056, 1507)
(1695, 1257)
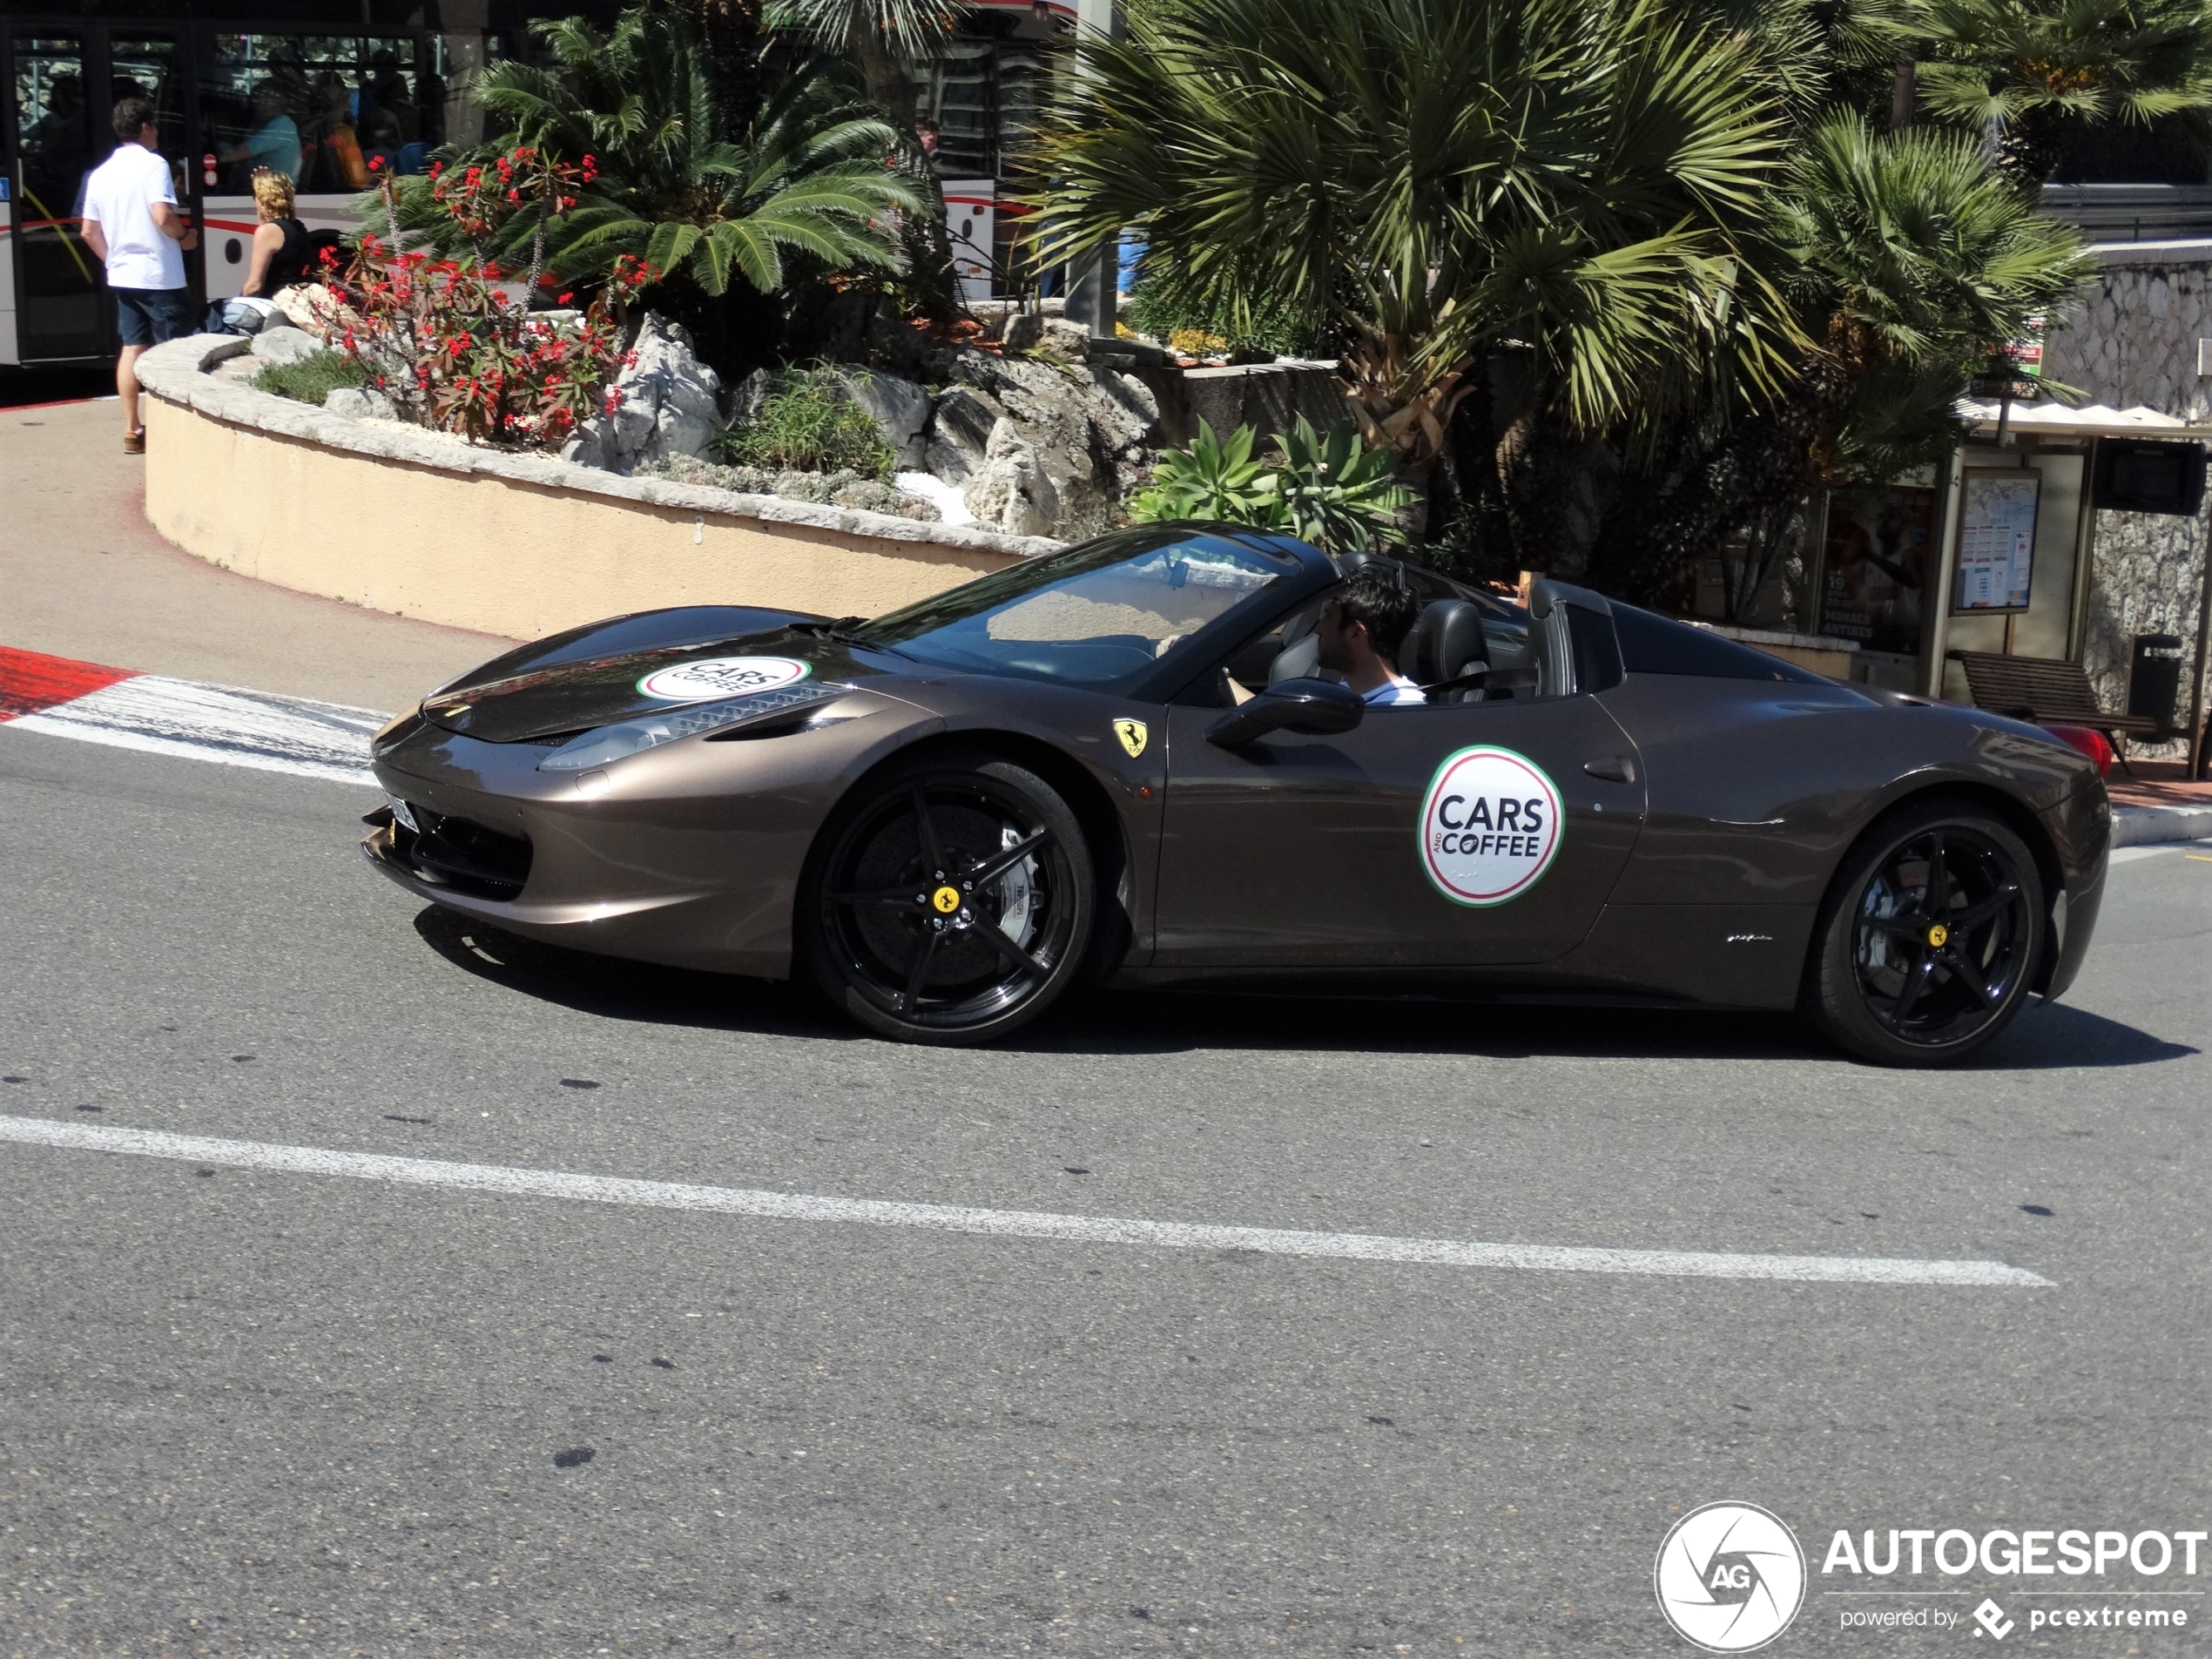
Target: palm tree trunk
(730, 30)
(1903, 93)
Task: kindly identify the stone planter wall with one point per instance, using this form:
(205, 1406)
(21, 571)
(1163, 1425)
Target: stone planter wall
(2135, 340)
(397, 519)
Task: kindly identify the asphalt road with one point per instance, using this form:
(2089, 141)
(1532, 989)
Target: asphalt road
(255, 1413)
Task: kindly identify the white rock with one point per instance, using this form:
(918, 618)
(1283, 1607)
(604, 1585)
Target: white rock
(667, 400)
(1068, 340)
(360, 403)
(284, 345)
(951, 504)
(1012, 492)
(900, 408)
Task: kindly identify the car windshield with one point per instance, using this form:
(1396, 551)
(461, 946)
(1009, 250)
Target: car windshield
(1100, 616)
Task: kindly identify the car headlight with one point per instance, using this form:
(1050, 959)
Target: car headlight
(606, 742)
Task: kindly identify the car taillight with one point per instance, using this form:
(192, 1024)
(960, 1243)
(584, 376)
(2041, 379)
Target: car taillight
(2091, 742)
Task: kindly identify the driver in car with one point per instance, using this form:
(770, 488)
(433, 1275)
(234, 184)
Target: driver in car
(1360, 631)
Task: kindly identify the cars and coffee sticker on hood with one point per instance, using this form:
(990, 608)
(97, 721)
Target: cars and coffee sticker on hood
(716, 677)
(1490, 827)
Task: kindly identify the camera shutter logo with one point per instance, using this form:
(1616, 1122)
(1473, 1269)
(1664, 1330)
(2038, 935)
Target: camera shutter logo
(718, 677)
(1730, 1577)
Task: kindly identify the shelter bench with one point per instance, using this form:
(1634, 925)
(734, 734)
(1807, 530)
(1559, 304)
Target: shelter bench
(2049, 691)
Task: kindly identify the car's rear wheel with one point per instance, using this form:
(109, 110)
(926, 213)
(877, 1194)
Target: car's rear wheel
(951, 900)
(1929, 941)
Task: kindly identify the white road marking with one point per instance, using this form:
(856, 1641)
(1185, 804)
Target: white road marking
(158, 715)
(1006, 1223)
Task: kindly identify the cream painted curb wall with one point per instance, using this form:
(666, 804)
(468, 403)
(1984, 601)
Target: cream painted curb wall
(511, 545)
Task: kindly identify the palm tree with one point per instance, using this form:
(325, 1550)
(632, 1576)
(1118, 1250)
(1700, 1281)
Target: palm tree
(883, 37)
(884, 40)
(2034, 72)
(808, 176)
(1906, 259)
(1433, 180)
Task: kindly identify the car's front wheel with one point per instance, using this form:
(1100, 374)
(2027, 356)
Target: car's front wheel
(950, 901)
(1929, 939)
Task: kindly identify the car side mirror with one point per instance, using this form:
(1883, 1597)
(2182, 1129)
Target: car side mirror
(1315, 707)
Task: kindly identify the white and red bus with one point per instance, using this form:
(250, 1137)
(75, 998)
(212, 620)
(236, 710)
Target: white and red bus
(393, 87)
(394, 81)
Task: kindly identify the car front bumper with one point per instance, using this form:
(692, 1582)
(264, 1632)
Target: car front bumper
(689, 854)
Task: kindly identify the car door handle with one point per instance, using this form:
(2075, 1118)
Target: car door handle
(1614, 769)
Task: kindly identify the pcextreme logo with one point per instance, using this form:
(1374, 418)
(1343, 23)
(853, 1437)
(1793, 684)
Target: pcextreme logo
(1730, 1577)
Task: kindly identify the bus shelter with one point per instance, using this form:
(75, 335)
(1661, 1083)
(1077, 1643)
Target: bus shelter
(1998, 551)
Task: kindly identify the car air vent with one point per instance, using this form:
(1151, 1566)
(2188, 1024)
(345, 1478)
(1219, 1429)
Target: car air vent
(795, 720)
(460, 854)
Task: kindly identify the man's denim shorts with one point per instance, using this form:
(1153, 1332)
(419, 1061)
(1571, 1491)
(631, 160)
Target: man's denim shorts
(150, 316)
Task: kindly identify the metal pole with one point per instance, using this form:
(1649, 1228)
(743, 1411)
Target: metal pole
(2197, 756)
(1935, 624)
(1094, 277)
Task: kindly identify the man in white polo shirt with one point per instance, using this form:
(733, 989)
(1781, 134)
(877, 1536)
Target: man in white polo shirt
(131, 223)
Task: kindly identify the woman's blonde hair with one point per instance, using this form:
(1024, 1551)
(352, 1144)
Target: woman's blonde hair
(273, 193)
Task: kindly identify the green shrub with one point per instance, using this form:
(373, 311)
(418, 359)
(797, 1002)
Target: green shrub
(1158, 309)
(1213, 480)
(312, 378)
(808, 425)
(1323, 486)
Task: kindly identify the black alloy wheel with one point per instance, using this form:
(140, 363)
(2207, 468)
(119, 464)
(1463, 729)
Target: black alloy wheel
(950, 902)
(1930, 942)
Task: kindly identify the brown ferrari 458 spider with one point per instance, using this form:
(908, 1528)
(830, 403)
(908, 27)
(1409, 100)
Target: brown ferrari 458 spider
(1122, 763)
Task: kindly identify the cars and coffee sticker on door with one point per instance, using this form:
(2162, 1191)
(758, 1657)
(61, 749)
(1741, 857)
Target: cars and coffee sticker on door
(1490, 827)
(716, 677)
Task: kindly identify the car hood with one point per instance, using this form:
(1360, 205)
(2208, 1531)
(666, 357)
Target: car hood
(560, 699)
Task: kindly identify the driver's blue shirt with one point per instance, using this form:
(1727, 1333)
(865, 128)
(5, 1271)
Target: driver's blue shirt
(1397, 690)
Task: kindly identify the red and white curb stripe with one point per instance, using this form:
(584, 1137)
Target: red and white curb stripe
(156, 715)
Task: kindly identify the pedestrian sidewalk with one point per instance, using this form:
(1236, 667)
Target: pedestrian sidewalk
(82, 575)
(2159, 802)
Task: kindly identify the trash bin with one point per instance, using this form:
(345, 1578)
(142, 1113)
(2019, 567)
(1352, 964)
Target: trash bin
(2154, 679)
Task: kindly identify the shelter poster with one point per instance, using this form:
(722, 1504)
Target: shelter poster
(1996, 538)
(1877, 565)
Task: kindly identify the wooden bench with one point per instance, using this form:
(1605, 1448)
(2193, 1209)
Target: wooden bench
(2049, 691)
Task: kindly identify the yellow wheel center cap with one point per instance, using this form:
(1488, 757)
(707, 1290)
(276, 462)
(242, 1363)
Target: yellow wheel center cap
(945, 900)
(1939, 936)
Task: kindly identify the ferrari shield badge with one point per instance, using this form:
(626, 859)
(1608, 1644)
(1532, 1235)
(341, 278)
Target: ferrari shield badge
(1132, 734)
(1490, 826)
(718, 677)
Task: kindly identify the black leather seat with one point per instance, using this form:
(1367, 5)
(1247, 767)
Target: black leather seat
(1446, 643)
(1300, 657)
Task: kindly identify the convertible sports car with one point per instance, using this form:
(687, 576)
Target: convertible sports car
(1120, 763)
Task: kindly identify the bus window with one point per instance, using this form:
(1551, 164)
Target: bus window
(315, 106)
(147, 66)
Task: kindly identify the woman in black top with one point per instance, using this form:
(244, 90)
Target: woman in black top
(280, 249)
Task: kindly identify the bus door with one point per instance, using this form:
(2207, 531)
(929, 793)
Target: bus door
(62, 86)
(59, 292)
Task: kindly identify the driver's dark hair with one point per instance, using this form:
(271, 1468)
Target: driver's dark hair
(132, 114)
(1376, 595)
